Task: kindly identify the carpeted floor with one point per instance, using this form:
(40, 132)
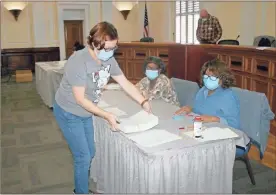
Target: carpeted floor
(35, 158)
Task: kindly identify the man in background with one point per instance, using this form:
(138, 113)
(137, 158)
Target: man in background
(78, 46)
(208, 30)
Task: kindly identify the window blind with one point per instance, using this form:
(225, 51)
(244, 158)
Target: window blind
(187, 15)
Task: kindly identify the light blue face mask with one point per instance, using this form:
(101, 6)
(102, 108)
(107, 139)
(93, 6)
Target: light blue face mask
(105, 55)
(211, 82)
(152, 74)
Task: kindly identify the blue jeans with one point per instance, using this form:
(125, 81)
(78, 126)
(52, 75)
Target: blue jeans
(79, 134)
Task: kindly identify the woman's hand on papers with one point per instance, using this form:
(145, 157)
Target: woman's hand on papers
(147, 107)
(113, 121)
(186, 109)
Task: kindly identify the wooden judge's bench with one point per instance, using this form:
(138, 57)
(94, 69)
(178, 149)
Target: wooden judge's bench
(254, 69)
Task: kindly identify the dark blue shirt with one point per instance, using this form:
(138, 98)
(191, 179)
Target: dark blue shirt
(223, 103)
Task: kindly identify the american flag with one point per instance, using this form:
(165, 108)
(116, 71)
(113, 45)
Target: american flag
(146, 23)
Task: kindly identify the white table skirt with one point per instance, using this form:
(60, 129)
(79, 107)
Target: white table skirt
(46, 80)
(121, 166)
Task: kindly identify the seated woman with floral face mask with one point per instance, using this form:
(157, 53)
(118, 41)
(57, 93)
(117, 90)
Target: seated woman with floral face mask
(156, 85)
(215, 101)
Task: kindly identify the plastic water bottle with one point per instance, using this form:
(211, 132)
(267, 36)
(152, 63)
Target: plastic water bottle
(197, 127)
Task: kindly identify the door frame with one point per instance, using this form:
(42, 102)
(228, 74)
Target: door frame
(62, 6)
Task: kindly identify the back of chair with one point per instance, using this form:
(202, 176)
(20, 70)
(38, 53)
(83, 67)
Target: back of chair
(228, 42)
(270, 38)
(185, 91)
(255, 116)
(147, 39)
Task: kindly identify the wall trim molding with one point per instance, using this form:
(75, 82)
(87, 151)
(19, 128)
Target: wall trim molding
(72, 6)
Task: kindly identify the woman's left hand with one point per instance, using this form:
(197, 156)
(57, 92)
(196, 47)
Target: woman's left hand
(147, 107)
(209, 119)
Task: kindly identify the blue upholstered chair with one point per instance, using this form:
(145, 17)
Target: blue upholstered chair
(185, 91)
(255, 122)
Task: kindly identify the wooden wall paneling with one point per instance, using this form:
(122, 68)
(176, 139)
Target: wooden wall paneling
(177, 61)
(41, 57)
(273, 70)
(224, 58)
(260, 84)
(25, 58)
(120, 53)
(196, 57)
(152, 52)
(261, 67)
(134, 70)
(239, 78)
(140, 53)
(247, 82)
(214, 55)
(20, 61)
(236, 62)
(248, 64)
(163, 53)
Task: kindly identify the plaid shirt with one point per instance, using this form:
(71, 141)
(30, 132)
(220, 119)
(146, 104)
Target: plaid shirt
(208, 31)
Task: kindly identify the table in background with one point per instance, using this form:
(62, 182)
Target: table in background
(182, 166)
(48, 76)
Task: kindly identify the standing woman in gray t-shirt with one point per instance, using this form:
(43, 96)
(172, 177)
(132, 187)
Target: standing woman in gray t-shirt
(87, 71)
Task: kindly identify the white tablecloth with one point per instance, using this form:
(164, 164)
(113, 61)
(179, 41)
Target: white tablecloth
(48, 76)
(183, 166)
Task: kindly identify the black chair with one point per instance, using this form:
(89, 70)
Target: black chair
(229, 42)
(147, 39)
(6, 74)
(244, 157)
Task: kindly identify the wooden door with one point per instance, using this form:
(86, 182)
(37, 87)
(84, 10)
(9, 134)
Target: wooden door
(73, 31)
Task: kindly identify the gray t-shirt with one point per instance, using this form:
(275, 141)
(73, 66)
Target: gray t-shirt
(82, 70)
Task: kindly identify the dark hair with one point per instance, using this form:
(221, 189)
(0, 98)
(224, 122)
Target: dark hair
(156, 60)
(78, 46)
(100, 33)
(220, 69)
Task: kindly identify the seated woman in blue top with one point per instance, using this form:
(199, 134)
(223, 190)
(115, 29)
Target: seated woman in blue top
(215, 101)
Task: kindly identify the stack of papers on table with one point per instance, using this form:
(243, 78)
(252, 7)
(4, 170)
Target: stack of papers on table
(154, 137)
(214, 133)
(141, 121)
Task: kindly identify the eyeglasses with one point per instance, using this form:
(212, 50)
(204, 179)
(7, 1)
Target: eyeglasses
(111, 49)
(213, 78)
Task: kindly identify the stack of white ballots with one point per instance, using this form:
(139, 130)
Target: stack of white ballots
(139, 122)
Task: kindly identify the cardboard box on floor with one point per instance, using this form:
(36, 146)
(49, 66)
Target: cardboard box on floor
(23, 76)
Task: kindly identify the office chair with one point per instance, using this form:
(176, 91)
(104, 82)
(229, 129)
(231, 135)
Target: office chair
(229, 41)
(147, 39)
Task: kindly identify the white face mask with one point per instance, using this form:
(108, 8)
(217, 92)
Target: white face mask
(204, 19)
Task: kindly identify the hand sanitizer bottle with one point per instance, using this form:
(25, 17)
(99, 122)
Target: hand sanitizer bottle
(197, 127)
